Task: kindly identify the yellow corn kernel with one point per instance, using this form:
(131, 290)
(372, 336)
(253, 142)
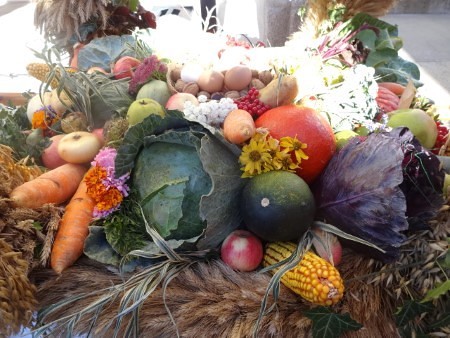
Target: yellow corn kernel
(314, 279)
(41, 71)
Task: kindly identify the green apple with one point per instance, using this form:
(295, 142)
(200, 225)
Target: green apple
(140, 109)
(342, 138)
(156, 90)
(419, 123)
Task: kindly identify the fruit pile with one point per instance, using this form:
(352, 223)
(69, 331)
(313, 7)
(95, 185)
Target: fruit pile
(158, 169)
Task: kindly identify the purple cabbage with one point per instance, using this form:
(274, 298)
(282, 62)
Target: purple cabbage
(379, 187)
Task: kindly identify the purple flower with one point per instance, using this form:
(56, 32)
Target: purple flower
(151, 67)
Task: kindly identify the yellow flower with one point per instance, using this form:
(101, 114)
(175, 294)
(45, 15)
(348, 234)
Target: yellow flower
(286, 162)
(43, 119)
(293, 145)
(255, 158)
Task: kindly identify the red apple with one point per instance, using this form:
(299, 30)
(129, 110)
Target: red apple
(50, 157)
(327, 246)
(176, 101)
(123, 68)
(242, 250)
(99, 133)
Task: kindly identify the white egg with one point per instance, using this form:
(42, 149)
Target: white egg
(190, 72)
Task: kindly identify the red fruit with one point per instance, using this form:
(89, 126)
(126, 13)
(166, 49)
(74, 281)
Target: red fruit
(310, 128)
(124, 67)
(242, 250)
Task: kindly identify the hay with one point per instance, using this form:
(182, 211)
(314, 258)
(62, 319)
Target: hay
(210, 299)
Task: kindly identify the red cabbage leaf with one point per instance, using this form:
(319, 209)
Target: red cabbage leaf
(359, 193)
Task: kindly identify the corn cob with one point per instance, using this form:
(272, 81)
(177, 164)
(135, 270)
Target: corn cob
(314, 279)
(41, 71)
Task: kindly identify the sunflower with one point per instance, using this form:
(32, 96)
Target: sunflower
(292, 144)
(255, 158)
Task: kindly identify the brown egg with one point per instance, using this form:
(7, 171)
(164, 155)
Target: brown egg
(238, 78)
(210, 81)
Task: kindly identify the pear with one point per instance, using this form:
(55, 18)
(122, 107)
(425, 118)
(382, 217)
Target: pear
(140, 109)
(421, 124)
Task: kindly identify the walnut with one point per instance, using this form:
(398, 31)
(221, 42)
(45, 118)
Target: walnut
(258, 84)
(191, 88)
(175, 74)
(179, 85)
(232, 94)
(265, 76)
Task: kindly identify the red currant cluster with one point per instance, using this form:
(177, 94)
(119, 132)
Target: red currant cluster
(441, 138)
(251, 103)
(233, 42)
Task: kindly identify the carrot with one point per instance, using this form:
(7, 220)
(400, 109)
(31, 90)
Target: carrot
(238, 126)
(54, 186)
(73, 230)
(394, 87)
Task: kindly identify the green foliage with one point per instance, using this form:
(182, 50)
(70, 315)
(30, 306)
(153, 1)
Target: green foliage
(327, 324)
(439, 290)
(14, 130)
(125, 229)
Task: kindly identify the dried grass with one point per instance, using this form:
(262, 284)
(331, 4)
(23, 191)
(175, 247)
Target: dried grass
(17, 293)
(211, 299)
(61, 19)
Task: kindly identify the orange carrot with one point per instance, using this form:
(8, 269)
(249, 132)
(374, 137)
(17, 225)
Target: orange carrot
(394, 87)
(73, 230)
(54, 186)
(238, 126)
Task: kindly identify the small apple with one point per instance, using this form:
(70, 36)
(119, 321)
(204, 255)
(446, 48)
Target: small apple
(242, 250)
(79, 147)
(140, 109)
(327, 246)
(421, 124)
(99, 133)
(123, 68)
(343, 137)
(156, 90)
(176, 101)
(50, 157)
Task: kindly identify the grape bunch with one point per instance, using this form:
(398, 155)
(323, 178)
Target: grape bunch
(441, 138)
(251, 103)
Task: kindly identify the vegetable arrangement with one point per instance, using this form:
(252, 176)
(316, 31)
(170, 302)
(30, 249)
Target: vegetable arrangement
(150, 189)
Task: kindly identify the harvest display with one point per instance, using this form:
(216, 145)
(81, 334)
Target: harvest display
(238, 190)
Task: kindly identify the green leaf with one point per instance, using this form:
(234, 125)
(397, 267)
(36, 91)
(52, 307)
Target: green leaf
(440, 290)
(97, 247)
(443, 321)
(380, 57)
(220, 208)
(410, 310)
(132, 5)
(326, 324)
(102, 52)
(134, 137)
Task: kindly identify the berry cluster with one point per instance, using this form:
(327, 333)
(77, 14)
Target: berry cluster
(441, 138)
(252, 104)
(233, 42)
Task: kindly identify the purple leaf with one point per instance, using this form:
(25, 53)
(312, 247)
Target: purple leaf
(359, 193)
